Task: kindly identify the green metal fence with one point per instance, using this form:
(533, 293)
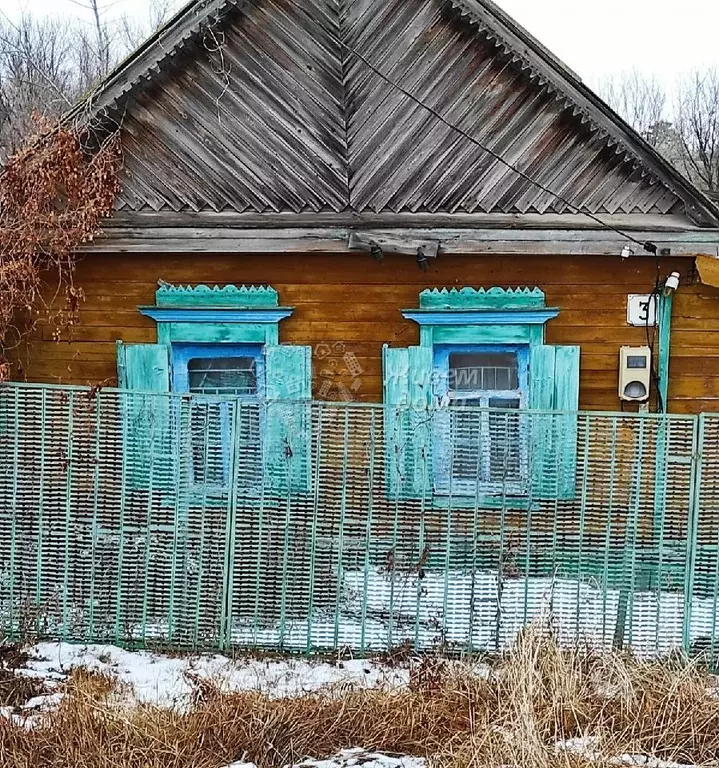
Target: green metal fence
(143, 518)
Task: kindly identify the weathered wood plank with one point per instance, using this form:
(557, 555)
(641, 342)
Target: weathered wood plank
(350, 307)
(591, 273)
(642, 225)
(451, 241)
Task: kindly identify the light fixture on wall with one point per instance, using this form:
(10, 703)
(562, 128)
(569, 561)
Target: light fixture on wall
(627, 252)
(376, 252)
(671, 284)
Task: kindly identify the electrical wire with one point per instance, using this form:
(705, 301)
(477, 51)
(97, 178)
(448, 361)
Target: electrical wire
(649, 247)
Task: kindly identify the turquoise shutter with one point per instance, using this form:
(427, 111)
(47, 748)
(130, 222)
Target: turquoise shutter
(287, 430)
(554, 386)
(143, 366)
(148, 456)
(407, 377)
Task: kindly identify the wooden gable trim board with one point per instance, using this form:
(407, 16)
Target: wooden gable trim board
(401, 240)
(359, 221)
(578, 97)
(145, 63)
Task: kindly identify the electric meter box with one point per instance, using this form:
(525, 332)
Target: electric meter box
(635, 373)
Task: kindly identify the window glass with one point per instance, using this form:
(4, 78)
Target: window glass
(222, 375)
(472, 371)
(481, 442)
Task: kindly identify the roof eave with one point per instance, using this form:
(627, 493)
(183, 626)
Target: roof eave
(162, 45)
(699, 207)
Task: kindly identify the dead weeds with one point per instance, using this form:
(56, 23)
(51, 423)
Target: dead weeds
(16, 689)
(540, 707)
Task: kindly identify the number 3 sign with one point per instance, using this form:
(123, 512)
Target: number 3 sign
(642, 309)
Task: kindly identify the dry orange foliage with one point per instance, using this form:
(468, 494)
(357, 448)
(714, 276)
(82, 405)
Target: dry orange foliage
(54, 194)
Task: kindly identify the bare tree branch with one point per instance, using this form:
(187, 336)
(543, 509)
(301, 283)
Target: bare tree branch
(686, 133)
(48, 63)
(697, 122)
(640, 100)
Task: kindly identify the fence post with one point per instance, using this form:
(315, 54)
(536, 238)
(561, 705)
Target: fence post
(626, 593)
(692, 528)
(14, 512)
(316, 480)
(225, 639)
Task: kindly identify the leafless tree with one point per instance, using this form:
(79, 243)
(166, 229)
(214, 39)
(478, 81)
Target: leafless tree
(47, 63)
(36, 74)
(697, 125)
(133, 31)
(686, 132)
(640, 100)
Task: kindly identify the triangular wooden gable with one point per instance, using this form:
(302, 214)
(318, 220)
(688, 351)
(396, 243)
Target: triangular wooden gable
(275, 106)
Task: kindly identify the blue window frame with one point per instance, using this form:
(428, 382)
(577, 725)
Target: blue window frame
(480, 457)
(244, 379)
(216, 375)
(480, 452)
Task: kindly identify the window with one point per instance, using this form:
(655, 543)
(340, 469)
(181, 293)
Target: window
(222, 344)
(222, 377)
(480, 451)
(481, 348)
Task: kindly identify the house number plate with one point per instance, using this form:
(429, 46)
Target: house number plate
(641, 309)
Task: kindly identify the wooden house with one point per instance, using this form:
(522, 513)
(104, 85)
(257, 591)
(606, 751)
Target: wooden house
(279, 143)
(413, 202)
(401, 201)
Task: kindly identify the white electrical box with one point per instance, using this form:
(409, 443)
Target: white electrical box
(635, 373)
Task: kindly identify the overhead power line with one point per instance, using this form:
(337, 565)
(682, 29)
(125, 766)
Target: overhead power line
(649, 247)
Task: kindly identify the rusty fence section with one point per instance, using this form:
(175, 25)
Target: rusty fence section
(193, 521)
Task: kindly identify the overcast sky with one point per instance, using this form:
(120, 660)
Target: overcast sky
(595, 39)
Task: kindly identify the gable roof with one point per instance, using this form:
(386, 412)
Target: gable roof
(285, 106)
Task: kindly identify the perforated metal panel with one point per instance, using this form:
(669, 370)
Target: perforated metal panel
(139, 518)
(702, 626)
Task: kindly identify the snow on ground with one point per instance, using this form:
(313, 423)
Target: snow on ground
(167, 680)
(378, 610)
(349, 758)
(587, 748)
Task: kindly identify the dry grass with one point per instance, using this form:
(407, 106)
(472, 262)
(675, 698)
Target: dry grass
(15, 689)
(536, 696)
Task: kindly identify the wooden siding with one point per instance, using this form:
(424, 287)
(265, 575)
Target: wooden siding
(349, 304)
